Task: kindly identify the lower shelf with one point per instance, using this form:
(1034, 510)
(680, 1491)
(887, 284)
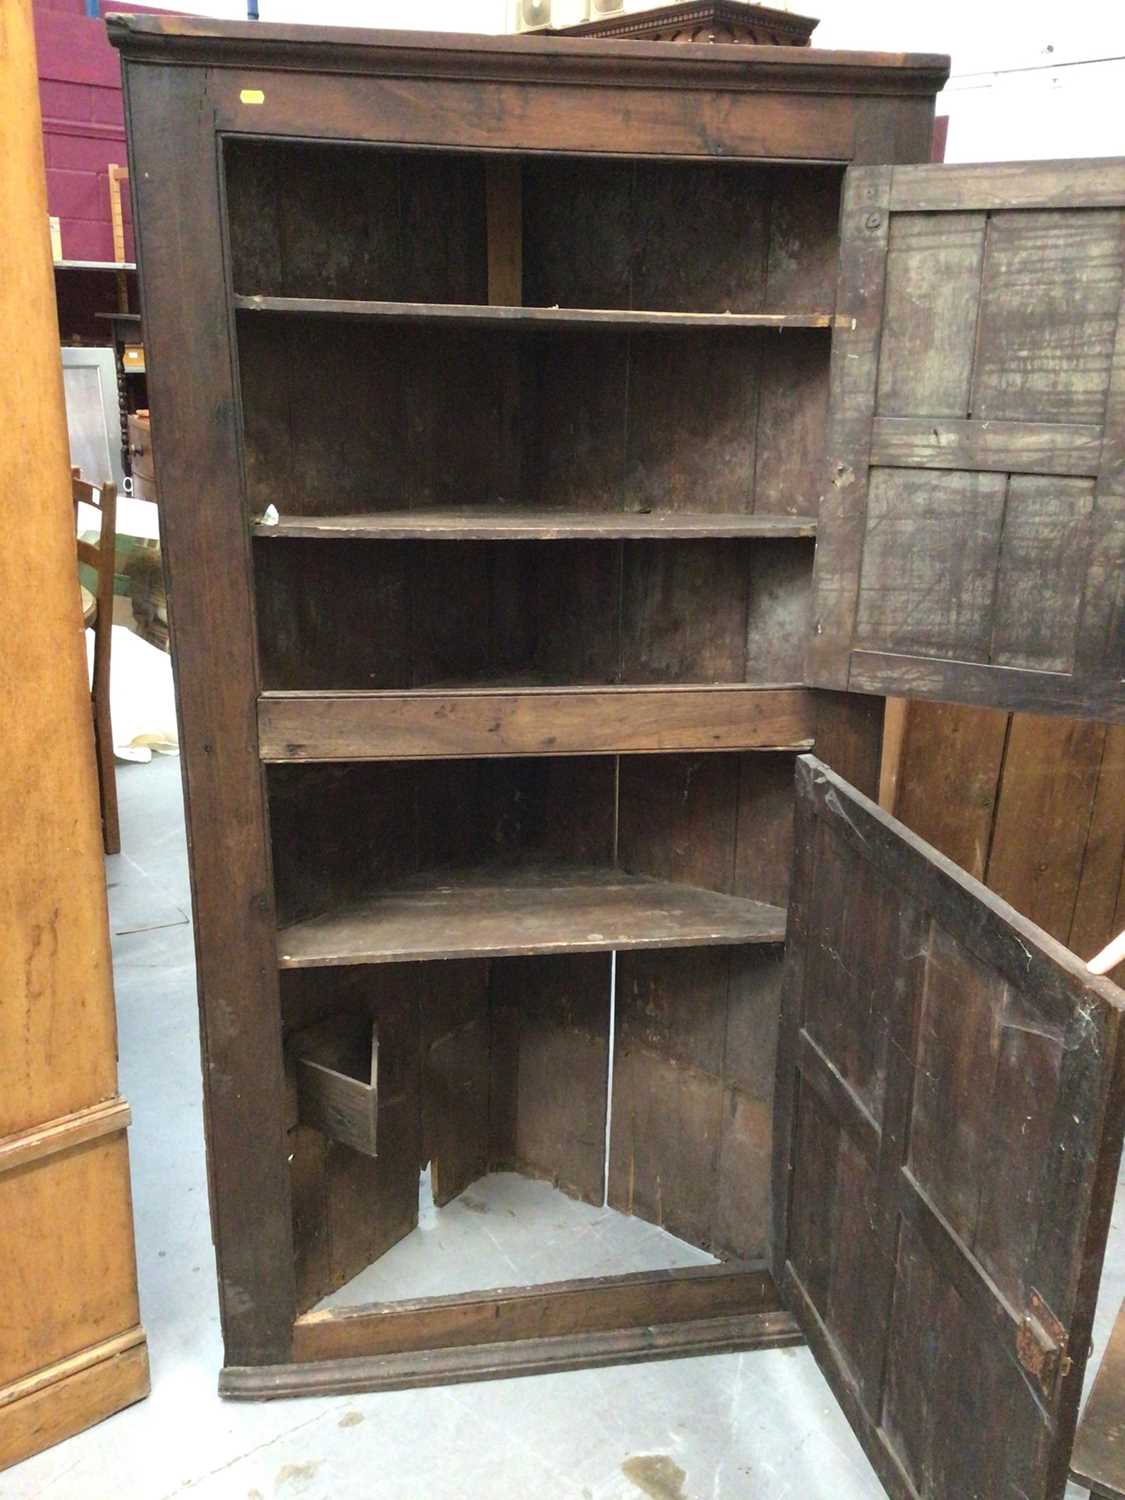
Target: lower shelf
(449, 1366)
(508, 913)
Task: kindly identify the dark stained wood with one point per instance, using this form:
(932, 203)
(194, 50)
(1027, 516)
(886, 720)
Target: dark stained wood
(456, 1035)
(1043, 815)
(977, 683)
(514, 1357)
(1034, 807)
(342, 834)
(951, 1095)
(1010, 447)
(976, 551)
(1099, 907)
(586, 303)
(531, 721)
(779, 613)
(199, 466)
(1009, 184)
(550, 1060)
(537, 911)
(527, 317)
(864, 233)
(337, 1083)
(951, 763)
(523, 523)
(849, 738)
(692, 1093)
(1098, 1460)
(703, 21)
(552, 1310)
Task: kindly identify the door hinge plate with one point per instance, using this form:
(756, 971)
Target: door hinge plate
(1041, 1343)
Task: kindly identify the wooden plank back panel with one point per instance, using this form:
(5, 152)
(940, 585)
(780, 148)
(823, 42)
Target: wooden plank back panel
(696, 1032)
(974, 545)
(950, 1107)
(1032, 806)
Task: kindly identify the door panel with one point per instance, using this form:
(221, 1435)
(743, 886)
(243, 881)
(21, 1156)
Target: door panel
(949, 1114)
(972, 537)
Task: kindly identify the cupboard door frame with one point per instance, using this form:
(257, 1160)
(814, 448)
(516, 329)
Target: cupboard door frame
(1029, 460)
(890, 1260)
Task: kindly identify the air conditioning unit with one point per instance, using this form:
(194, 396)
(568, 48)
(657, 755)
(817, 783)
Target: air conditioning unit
(532, 15)
(597, 10)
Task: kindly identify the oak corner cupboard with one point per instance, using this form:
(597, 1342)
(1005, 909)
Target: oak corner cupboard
(518, 384)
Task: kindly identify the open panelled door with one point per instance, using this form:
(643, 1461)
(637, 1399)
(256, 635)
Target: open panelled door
(971, 543)
(947, 1135)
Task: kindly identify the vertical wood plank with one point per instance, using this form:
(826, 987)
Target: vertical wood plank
(550, 1058)
(895, 717)
(933, 287)
(1043, 814)
(1047, 329)
(199, 468)
(1046, 536)
(849, 738)
(952, 757)
(1099, 908)
(863, 260)
(1101, 629)
(930, 562)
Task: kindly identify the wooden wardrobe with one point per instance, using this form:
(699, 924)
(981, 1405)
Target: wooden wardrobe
(72, 1348)
(516, 379)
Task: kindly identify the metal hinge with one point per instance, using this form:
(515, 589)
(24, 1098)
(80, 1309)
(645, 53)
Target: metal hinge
(1041, 1345)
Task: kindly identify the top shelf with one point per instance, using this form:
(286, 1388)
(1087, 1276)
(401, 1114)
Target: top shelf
(473, 315)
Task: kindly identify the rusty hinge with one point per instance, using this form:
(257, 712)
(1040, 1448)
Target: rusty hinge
(1041, 1343)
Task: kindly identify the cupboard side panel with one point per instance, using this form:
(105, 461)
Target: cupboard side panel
(193, 394)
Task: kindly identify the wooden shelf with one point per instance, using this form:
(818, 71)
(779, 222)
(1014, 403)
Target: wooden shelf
(512, 523)
(492, 719)
(482, 316)
(504, 913)
(95, 265)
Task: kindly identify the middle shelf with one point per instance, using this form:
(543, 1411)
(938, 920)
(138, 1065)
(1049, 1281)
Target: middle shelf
(531, 720)
(513, 912)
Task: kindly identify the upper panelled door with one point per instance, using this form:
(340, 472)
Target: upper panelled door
(972, 533)
(948, 1128)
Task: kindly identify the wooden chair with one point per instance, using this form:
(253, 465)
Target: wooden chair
(100, 557)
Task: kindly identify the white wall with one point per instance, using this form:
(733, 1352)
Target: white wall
(1031, 78)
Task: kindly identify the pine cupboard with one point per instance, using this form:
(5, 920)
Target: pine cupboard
(518, 384)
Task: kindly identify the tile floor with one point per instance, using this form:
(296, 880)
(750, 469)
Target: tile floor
(731, 1427)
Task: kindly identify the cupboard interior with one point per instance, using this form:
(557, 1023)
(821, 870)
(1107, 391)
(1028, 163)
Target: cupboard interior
(415, 226)
(358, 416)
(491, 1066)
(344, 837)
(563, 967)
(359, 615)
